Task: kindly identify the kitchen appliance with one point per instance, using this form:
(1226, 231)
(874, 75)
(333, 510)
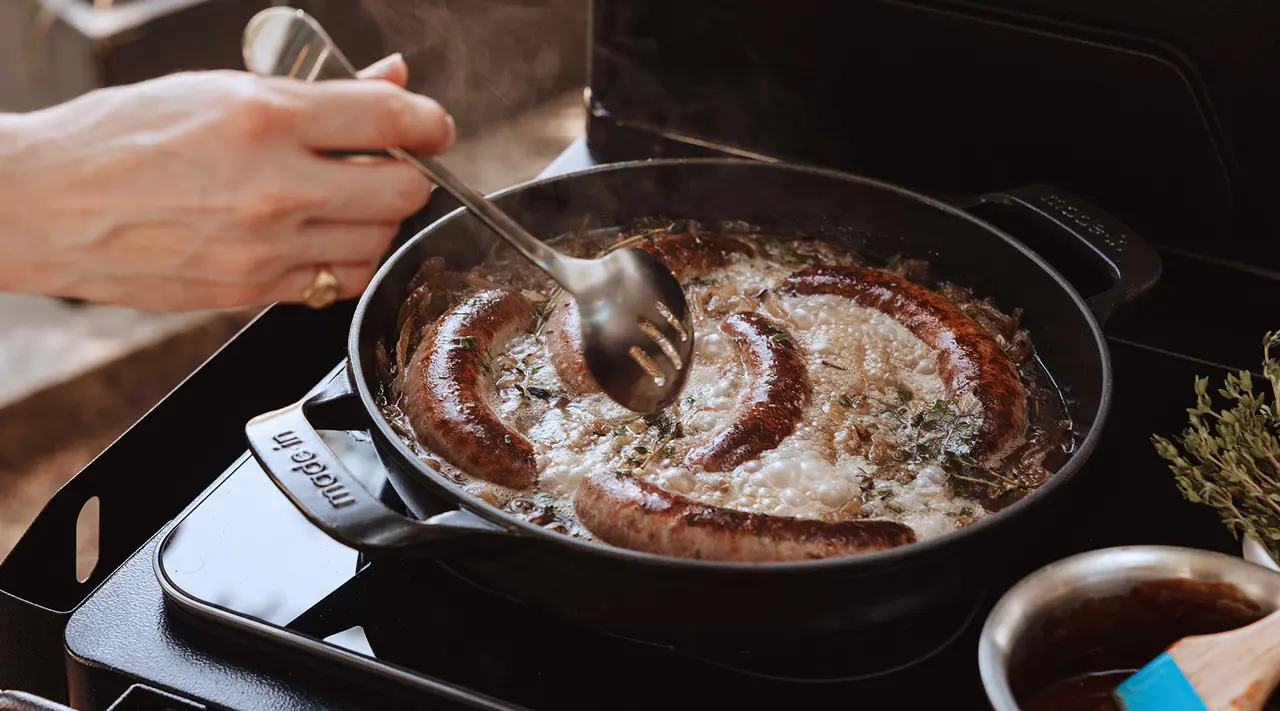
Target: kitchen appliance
(242, 547)
(285, 617)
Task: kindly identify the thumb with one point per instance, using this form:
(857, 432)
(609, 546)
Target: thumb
(392, 69)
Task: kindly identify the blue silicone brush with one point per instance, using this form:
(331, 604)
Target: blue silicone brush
(1228, 671)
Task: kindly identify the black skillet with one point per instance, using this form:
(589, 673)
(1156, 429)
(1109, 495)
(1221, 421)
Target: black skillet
(682, 600)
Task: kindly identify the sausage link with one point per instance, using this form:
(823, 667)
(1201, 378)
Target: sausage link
(969, 358)
(776, 398)
(686, 255)
(629, 513)
(690, 255)
(444, 389)
(563, 333)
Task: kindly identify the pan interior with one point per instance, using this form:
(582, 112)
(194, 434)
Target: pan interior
(874, 219)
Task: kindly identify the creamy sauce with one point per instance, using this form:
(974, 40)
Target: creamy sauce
(873, 443)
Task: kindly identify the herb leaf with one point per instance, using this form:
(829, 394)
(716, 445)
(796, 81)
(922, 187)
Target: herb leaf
(662, 423)
(1229, 459)
(466, 343)
(941, 430)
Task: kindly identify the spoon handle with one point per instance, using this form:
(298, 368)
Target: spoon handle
(283, 41)
(500, 222)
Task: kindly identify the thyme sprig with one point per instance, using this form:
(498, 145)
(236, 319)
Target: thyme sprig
(665, 429)
(942, 429)
(970, 470)
(1229, 459)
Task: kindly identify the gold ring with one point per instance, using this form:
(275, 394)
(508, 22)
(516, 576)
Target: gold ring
(323, 290)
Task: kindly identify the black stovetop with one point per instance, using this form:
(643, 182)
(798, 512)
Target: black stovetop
(264, 611)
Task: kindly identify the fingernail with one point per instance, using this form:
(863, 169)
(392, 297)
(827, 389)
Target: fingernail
(453, 130)
(382, 65)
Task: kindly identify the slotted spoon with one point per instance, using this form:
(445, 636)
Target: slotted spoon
(636, 328)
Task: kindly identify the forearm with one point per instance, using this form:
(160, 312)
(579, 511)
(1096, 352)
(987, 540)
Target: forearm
(11, 139)
(19, 211)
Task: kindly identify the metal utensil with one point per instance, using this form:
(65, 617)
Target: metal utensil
(637, 331)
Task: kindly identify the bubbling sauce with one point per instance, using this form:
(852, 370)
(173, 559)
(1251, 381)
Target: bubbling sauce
(879, 439)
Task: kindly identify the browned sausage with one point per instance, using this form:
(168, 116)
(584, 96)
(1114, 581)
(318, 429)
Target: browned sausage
(689, 255)
(776, 398)
(443, 389)
(563, 333)
(969, 358)
(629, 513)
(686, 255)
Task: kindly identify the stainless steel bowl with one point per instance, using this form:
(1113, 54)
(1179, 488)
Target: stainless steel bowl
(1016, 625)
(1255, 553)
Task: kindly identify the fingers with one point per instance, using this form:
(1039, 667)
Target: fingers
(352, 279)
(343, 243)
(167, 294)
(381, 190)
(390, 69)
(363, 115)
(164, 294)
(371, 115)
(259, 261)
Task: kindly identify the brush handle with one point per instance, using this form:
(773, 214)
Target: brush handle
(1235, 670)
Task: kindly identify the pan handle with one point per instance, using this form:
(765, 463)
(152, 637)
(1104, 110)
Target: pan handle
(1133, 264)
(289, 449)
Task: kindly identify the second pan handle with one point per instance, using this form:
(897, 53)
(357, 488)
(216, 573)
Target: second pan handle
(1132, 263)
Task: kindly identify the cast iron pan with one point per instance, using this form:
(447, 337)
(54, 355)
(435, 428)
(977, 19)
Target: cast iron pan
(680, 600)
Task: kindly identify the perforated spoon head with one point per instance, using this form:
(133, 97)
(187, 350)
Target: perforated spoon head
(637, 332)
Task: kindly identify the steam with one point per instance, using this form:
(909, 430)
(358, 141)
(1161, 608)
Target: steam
(707, 80)
(485, 60)
(514, 151)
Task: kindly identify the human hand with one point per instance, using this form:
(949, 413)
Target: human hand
(208, 190)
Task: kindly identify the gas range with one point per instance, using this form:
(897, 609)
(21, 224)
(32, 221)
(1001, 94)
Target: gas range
(239, 603)
(213, 592)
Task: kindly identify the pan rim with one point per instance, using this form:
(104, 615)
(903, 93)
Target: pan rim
(888, 558)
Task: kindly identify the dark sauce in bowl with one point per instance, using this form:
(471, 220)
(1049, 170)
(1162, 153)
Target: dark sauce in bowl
(1078, 656)
(1085, 692)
